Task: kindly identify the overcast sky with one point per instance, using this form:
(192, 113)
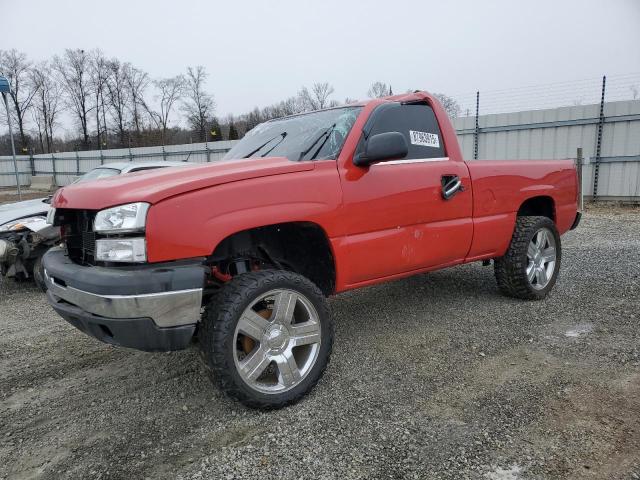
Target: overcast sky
(260, 52)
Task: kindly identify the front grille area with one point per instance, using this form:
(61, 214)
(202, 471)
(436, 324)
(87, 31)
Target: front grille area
(78, 234)
(89, 244)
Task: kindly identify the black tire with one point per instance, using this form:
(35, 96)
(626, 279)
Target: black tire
(38, 274)
(217, 341)
(511, 270)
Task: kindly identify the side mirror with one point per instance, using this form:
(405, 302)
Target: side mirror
(382, 147)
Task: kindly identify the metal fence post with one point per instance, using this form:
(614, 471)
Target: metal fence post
(596, 167)
(77, 164)
(53, 167)
(32, 164)
(579, 162)
(164, 154)
(476, 133)
(101, 157)
(206, 147)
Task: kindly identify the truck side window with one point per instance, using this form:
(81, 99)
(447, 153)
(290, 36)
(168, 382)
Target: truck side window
(418, 124)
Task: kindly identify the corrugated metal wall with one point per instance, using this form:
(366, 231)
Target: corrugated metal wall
(557, 133)
(67, 165)
(534, 134)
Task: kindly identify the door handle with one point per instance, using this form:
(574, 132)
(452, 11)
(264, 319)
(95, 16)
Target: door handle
(451, 184)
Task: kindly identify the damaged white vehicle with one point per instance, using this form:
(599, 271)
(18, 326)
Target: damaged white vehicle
(25, 234)
(24, 237)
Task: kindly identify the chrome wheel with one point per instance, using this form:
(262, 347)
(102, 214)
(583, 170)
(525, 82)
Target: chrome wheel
(277, 340)
(541, 258)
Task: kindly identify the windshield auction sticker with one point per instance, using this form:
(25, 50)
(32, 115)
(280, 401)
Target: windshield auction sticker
(424, 139)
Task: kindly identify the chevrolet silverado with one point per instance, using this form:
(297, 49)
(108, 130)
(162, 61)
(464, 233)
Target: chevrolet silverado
(239, 256)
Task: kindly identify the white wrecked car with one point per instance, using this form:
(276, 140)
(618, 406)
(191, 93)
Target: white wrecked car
(25, 235)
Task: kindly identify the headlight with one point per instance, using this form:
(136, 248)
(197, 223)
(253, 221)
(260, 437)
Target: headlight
(121, 250)
(123, 218)
(20, 224)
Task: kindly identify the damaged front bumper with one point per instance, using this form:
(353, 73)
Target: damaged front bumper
(153, 307)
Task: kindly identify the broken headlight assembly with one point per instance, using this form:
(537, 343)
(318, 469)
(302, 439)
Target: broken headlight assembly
(21, 223)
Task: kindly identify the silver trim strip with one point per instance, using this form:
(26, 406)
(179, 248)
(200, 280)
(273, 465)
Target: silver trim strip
(413, 160)
(166, 309)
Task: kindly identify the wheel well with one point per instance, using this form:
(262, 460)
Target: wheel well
(541, 206)
(302, 247)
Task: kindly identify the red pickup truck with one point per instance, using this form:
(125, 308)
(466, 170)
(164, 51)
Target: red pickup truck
(240, 255)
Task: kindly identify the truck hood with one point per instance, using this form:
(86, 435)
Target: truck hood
(154, 186)
(28, 208)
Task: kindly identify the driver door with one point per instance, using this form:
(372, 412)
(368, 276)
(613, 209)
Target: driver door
(397, 219)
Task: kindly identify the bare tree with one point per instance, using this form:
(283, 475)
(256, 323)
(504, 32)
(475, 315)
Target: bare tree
(451, 106)
(378, 90)
(318, 97)
(198, 105)
(40, 128)
(289, 106)
(136, 82)
(47, 103)
(74, 71)
(16, 67)
(98, 74)
(251, 119)
(118, 96)
(170, 90)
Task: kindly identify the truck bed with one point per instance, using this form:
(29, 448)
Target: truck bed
(501, 186)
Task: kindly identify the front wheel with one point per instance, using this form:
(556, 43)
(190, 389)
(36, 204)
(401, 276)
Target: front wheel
(266, 338)
(38, 273)
(530, 267)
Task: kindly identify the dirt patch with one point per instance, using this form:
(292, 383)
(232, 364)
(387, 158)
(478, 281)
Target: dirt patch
(11, 196)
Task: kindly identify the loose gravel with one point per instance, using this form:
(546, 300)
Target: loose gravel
(432, 377)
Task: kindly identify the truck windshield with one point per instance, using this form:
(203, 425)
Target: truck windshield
(308, 136)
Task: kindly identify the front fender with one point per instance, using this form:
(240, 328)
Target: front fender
(193, 224)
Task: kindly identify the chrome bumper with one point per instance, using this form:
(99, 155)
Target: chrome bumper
(166, 309)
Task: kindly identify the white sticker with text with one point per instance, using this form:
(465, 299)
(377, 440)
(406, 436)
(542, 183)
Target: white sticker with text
(424, 139)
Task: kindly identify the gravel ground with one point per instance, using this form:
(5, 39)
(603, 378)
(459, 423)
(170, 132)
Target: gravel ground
(436, 376)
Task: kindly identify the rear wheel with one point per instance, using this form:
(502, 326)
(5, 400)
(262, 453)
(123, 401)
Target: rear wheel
(530, 267)
(266, 338)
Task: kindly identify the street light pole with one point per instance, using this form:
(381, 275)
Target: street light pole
(4, 88)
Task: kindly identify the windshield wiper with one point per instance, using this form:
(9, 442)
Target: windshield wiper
(324, 134)
(283, 135)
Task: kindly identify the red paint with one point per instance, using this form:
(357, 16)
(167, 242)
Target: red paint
(383, 222)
